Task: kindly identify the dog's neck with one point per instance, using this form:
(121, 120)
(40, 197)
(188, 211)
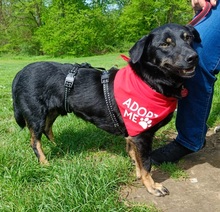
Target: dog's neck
(170, 86)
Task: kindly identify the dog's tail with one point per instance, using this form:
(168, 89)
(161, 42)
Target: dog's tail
(17, 113)
(19, 117)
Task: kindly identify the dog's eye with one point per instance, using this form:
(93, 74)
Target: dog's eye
(167, 42)
(164, 45)
(187, 37)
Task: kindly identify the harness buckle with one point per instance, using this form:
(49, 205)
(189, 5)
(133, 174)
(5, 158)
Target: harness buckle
(105, 77)
(69, 80)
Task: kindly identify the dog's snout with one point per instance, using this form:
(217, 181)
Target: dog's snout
(192, 58)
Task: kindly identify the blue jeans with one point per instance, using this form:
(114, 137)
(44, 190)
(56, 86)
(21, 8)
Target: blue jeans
(193, 110)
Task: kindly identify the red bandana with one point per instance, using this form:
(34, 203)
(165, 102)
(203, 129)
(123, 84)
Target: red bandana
(140, 106)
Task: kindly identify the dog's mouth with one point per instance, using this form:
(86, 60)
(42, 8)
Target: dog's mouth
(187, 73)
(182, 72)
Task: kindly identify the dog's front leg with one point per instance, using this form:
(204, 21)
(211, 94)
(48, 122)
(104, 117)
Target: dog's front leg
(139, 152)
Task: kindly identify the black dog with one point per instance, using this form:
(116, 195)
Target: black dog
(162, 61)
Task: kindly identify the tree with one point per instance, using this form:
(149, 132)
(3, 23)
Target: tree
(21, 19)
(76, 30)
(141, 16)
(82, 27)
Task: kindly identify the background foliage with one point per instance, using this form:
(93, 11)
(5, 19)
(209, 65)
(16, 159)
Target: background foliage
(82, 27)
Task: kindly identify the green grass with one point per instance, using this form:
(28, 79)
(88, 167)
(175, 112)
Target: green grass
(173, 170)
(87, 166)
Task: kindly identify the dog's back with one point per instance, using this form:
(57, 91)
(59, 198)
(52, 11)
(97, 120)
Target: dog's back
(32, 87)
(39, 89)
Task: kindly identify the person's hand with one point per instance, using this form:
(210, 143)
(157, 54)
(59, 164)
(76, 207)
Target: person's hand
(199, 4)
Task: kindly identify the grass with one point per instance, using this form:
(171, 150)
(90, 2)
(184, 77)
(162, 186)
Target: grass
(87, 166)
(173, 170)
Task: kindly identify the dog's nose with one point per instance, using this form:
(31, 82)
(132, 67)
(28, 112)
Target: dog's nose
(192, 58)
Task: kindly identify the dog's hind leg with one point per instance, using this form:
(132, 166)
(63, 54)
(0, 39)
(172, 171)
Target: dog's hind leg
(36, 146)
(142, 172)
(51, 117)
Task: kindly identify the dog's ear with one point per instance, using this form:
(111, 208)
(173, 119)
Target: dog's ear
(136, 51)
(195, 33)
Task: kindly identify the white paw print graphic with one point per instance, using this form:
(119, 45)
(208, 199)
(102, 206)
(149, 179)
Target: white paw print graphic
(145, 123)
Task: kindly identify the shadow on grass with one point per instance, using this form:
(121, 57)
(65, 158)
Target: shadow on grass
(89, 139)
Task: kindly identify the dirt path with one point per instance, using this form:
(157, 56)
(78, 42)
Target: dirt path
(199, 192)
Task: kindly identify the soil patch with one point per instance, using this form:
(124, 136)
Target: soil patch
(199, 192)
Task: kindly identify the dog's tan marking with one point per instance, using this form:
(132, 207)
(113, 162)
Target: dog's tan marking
(156, 189)
(36, 146)
(51, 117)
(130, 148)
(186, 36)
(169, 40)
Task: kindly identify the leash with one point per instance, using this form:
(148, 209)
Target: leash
(201, 15)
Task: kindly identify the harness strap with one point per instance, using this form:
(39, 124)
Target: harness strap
(105, 82)
(69, 81)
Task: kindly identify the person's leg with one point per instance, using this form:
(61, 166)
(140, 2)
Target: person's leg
(193, 110)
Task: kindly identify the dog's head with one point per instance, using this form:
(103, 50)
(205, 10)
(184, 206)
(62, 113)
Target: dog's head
(168, 48)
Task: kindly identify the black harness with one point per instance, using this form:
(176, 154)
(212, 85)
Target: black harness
(70, 78)
(105, 83)
(69, 81)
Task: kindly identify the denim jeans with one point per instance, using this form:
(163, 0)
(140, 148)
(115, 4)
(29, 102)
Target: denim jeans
(193, 110)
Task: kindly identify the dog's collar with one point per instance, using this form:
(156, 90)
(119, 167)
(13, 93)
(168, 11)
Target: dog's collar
(184, 91)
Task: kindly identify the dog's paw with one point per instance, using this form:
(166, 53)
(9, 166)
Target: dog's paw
(44, 162)
(158, 190)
